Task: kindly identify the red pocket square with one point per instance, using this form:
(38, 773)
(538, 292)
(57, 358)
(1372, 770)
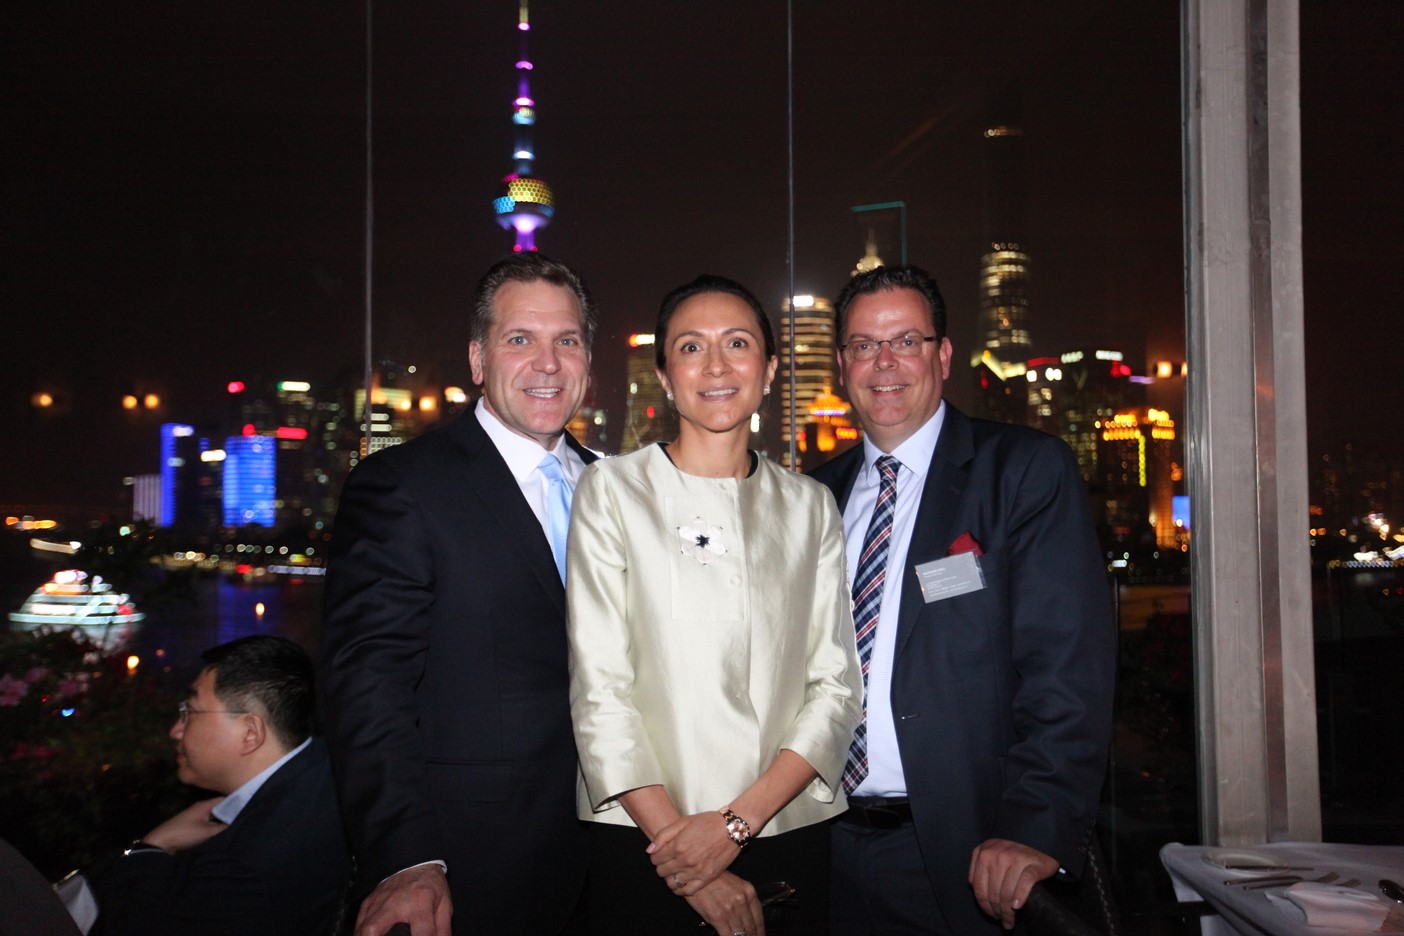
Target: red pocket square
(965, 543)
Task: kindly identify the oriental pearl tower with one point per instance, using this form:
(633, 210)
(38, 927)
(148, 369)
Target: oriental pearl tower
(525, 202)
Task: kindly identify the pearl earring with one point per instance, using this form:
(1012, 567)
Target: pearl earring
(766, 390)
(670, 396)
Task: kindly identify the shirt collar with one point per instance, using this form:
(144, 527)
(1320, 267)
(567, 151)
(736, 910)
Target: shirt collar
(915, 452)
(233, 804)
(521, 454)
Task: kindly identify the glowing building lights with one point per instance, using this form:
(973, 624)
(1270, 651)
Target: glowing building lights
(235, 386)
(249, 473)
(171, 463)
(293, 386)
(636, 341)
(130, 402)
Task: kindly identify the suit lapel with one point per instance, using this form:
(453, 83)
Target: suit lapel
(933, 530)
(501, 498)
(845, 475)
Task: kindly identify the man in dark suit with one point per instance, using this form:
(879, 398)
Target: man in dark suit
(445, 645)
(985, 631)
(269, 855)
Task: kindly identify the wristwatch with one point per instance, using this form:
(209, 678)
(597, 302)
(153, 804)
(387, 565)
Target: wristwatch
(137, 847)
(737, 829)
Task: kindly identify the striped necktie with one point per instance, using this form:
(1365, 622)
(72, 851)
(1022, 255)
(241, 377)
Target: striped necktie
(867, 605)
(557, 508)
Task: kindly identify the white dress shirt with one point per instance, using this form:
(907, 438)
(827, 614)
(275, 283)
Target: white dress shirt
(885, 776)
(233, 804)
(522, 456)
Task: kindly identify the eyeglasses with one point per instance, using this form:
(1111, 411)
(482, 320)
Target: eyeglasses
(186, 711)
(865, 349)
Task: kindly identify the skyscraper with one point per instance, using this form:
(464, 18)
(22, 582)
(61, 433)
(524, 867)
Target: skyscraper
(526, 202)
(1004, 276)
(647, 416)
(814, 349)
(250, 467)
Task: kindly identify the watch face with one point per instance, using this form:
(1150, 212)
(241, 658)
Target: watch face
(737, 828)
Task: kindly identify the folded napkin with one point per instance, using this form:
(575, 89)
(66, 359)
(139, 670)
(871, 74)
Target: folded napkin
(1244, 859)
(1342, 908)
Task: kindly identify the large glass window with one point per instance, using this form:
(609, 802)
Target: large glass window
(1353, 206)
(188, 246)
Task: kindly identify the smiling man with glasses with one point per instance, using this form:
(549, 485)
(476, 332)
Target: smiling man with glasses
(984, 629)
(268, 855)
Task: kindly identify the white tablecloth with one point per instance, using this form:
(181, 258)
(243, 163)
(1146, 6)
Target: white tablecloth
(1250, 912)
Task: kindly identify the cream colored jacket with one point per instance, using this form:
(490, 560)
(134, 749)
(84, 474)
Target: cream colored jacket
(694, 665)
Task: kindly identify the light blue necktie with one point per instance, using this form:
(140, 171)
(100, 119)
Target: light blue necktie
(557, 508)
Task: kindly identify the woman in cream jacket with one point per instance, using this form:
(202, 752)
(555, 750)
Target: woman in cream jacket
(714, 682)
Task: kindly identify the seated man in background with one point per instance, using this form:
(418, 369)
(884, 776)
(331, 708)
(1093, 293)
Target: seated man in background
(268, 855)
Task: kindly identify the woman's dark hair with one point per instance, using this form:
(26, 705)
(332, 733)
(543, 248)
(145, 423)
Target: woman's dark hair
(707, 283)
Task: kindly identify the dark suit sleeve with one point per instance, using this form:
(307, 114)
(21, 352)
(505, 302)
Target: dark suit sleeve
(380, 589)
(155, 892)
(1063, 654)
(279, 868)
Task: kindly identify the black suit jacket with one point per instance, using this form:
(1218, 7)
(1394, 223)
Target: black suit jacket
(448, 693)
(278, 870)
(1002, 697)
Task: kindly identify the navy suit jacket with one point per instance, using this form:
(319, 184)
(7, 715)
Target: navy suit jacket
(446, 672)
(1002, 697)
(278, 870)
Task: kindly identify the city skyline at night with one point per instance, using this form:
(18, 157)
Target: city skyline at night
(191, 207)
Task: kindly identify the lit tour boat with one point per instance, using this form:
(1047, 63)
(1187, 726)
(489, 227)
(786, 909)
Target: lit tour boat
(74, 600)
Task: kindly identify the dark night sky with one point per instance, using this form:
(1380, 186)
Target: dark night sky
(185, 184)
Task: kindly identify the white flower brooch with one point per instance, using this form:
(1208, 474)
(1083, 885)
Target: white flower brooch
(698, 539)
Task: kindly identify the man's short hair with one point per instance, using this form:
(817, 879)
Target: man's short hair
(528, 267)
(270, 675)
(707, 283)
(884, 278)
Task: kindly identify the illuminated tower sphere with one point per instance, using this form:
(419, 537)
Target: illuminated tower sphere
(525, 202)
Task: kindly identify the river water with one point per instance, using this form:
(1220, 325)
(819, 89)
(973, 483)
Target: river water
(221, 609)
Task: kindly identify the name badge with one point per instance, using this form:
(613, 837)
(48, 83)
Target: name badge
(951, 576)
